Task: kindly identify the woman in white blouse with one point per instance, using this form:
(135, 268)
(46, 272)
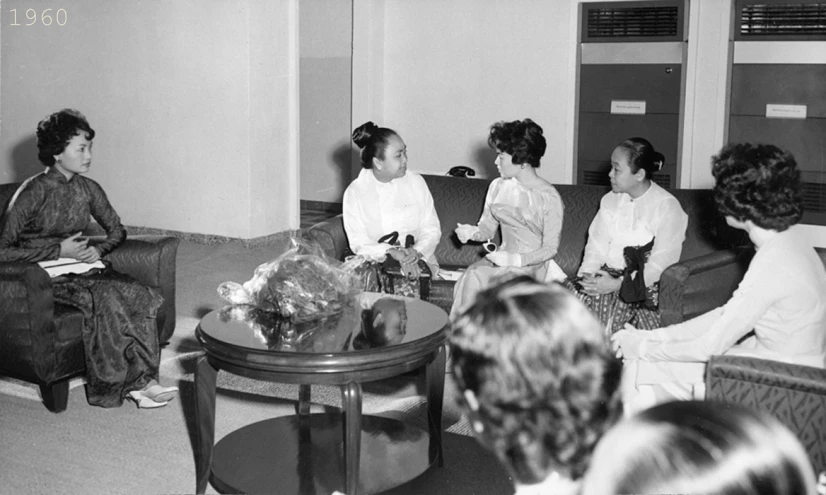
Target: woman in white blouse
(387, 198)
(778, 311)
(637, 233)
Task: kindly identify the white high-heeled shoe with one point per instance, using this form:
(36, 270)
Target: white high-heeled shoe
(144, 402)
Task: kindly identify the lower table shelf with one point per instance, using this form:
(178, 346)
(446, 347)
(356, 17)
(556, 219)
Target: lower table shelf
(293, 455)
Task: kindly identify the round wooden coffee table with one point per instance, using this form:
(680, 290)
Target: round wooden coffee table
(319, 453)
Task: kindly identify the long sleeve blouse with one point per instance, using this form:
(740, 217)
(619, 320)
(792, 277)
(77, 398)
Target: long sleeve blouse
(539, 211)
(782, 298)
(47, 209)
(625, 221)
(373, 209)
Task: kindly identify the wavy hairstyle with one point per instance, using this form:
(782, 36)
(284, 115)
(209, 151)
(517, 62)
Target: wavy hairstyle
(700, 447)
(522, 139)
(372, 140)
(760, 183)
(55, 131)
(545, 380)
(642, 155)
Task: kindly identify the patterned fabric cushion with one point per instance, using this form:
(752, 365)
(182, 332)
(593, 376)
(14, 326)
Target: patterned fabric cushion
(794, 394)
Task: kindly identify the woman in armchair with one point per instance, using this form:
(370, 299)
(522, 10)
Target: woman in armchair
(526, 208)
(637, 233)
(44, 221)
(778, 311)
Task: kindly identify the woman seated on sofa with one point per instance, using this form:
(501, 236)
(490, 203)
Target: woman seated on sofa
(637, 233)
(526, 207)
(699, 447)
(44, 221)
(781, 299)
(386, 198)
(538, 380)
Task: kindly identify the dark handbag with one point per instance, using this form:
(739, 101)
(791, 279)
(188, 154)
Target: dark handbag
(396, 282)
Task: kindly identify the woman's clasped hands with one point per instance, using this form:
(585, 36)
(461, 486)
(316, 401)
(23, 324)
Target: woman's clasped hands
(77, 247)
(599, 282)
(408, 258)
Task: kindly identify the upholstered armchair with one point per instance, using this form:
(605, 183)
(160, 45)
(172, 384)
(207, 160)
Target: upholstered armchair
(40, 340)
(794, 394)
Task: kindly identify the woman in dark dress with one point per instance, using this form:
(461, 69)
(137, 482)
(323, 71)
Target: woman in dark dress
(43, 222)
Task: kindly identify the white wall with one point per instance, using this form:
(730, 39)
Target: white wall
(325, 47)
(190, 101)
(451, 69)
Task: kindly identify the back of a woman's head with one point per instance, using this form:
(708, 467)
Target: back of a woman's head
(700, 447)
(56, 131)
(760, 183)
(522, 139)
(546, 382)
(372, 141)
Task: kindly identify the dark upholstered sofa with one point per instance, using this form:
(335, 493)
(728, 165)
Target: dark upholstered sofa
(794, 394)
(40, 341)
(713, 261)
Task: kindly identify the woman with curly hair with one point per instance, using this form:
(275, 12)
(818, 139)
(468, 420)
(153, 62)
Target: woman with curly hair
(526, 208)
(700, 447)
(778, 311)
(637, 233)
(538, 379)
(44, 221)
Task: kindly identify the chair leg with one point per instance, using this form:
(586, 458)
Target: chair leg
(55, 396)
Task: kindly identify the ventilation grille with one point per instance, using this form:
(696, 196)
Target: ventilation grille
(788, 20)
(594, 178)
(814, 197)
(615, 22)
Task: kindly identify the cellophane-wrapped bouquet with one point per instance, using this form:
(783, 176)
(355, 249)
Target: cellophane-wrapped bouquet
(301, 284)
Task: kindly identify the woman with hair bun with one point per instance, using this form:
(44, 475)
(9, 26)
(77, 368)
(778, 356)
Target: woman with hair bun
(699, 447)
(386, 198)
(778, 311)
(526, 208)
(637, 233)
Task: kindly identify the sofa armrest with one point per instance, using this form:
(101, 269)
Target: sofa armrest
(27, 331)
(794, 394)
(151, 261)
(330, 235)
(695, 286)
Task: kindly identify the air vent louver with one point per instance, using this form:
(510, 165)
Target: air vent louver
(814, 196)
(592, 178)
(617, 22)
(789, 21)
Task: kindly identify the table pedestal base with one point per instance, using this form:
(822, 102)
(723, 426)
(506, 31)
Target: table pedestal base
(305, 455)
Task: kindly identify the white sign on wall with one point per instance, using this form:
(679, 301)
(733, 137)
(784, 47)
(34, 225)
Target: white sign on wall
(785, 111)
(628, 107)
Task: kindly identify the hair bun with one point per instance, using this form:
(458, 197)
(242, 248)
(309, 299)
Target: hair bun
(659, 160)
(364, 134)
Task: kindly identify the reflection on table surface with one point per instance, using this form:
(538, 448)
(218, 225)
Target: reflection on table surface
(371, 321)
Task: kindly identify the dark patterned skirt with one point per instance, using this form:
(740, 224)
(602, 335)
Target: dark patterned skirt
(614, 313)
(120, 334)
(384, 276)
